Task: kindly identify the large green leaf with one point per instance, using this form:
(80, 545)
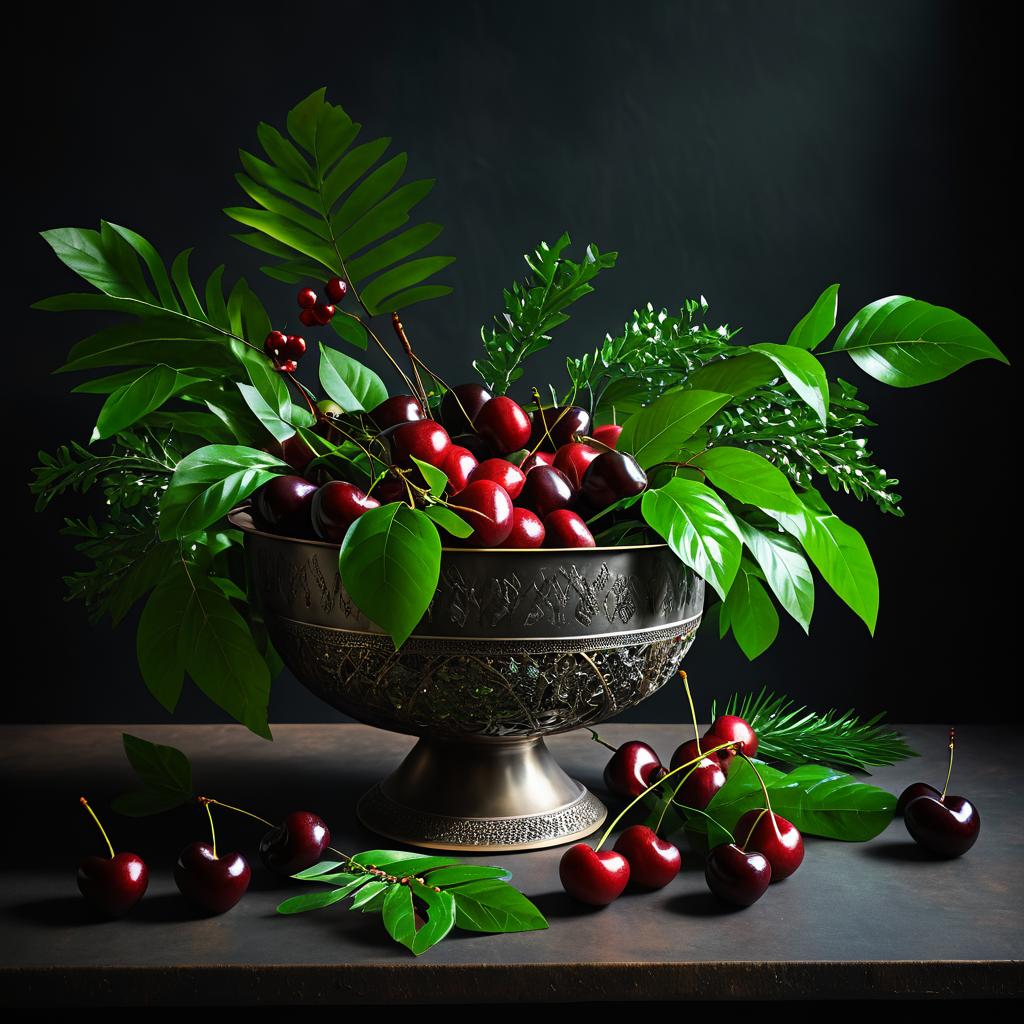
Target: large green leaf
(698, 527)
(162, 667)
(804, 372)
(817, 323)
(356, 388)
(736, 375)
(752, 616)
(490, 905)
(322, 202)
(132, 401)
(659, 431)
(165, 775)
(406, 924)
(389, 562)
(785, 570)
(748, 477)
(905, 342)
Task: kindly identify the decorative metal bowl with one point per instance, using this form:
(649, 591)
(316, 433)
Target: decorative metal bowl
(516, 645)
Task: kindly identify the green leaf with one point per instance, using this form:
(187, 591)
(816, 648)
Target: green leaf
(658, 432)
(785, 570)
(163, 670)
(368, 892)
(494, 906)
(350, 330)
(754, 620)
(400, 862)
(389, 562)
(906, 342)
(804, 373)
(737, 375)
(817, 323)
(356, 388)
(314, 900)
(748, 478)
(696, 524)
(324, 867)
(375, 294)
(151, 257)
(406, 925)
(461, 873)
(448, 520)
(436, 479)
(131, 402)
(189, 507)
(165, 774)
(279, 428)
(840, 555)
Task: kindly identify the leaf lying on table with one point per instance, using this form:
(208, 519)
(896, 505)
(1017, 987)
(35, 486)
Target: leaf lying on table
(421, 897)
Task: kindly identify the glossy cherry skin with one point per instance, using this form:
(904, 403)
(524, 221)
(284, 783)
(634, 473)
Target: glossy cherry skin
(555, 427)
(572, 459)
(284, 505)
(213, 883)
(783, 849)
(703, 781)
(501, 471)
(611, 477)
(653, 862)
(115, 884)
(297, 453)
(490, 512)
(594, 877)
(732, 729)
(306, 298)
(296, 844)
(915, 789)
(458, 465)
(336, 506)
(425, 439)
(503, 424)
(608, 434)
(336, 289)
(388, 489)
(458, 415)
(565, 529)
(687, 751)
(537, 459)
(631, 770)
(294, 347)
(945, 828)
(736, 876)
(527, 530)
(546, 490)
(274, 344)
(476, 444)
(396, 409)
(308, 318)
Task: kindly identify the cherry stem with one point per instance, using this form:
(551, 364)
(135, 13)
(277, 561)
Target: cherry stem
(757, 821)
(99, 825)
(764, 789)
(380, 344)
(949, 770)
(213, 833)
(640, 796)
(238, 810)
(603, 742)
(693, 713)
(438, 379)
(396, 323)
(302, 391)
(546, 432)
(704, 814)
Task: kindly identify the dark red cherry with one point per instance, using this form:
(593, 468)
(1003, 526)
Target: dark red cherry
(394, 410)
(460, 406)
(552, 428)
(944, 827)
(733, 729)
(608, 434)
(324, 313)
(458, 465)
(389, 489)
(210, 882)
(274, 344)
(593, 876)
(336, 289)
(527, 530)
(284, 504)
(631, 769)
(487, 507)
(687, 751)
(296, 844)
(546, 490)
(306, 298)
(501, 471)
(287, 365)
(736, 876)
(572, 459)
(476, 444)
(115, 884)
(611, 477)
(308, 318)
(503, 424)
(565, 529)
(537, 459)
(297, 453)
(781, 843)
(336, 506)
(702, 781)
(294, 347)
(426, 440)
(653, 862)
(914, 790)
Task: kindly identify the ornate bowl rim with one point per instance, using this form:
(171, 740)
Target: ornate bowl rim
(242, 518)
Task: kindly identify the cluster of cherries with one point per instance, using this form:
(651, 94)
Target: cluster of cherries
(315, 313)
(520, 480)
(212, 882)
(766, 846)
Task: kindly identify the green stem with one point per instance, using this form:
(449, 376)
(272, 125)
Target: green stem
(103, 831)
(213, 832)
(693, 713)
(764, 789)
(603, 742)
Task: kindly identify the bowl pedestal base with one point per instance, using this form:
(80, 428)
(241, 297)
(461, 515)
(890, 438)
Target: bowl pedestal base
(481, 796)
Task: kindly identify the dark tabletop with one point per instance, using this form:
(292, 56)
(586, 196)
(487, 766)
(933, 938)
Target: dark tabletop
(874, 919)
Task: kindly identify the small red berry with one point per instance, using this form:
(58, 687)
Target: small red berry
(323, 313)
(308, 318)
(274, 343)
(336, 289)
(307, 298)
(288, 366)
(294, 347)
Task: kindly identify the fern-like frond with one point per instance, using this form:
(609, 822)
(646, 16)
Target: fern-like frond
(322, 204)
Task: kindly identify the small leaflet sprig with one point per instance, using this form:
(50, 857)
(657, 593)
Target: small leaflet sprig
(797, 736)
(534, 308)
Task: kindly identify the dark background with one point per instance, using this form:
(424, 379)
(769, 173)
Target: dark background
(753, 152)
